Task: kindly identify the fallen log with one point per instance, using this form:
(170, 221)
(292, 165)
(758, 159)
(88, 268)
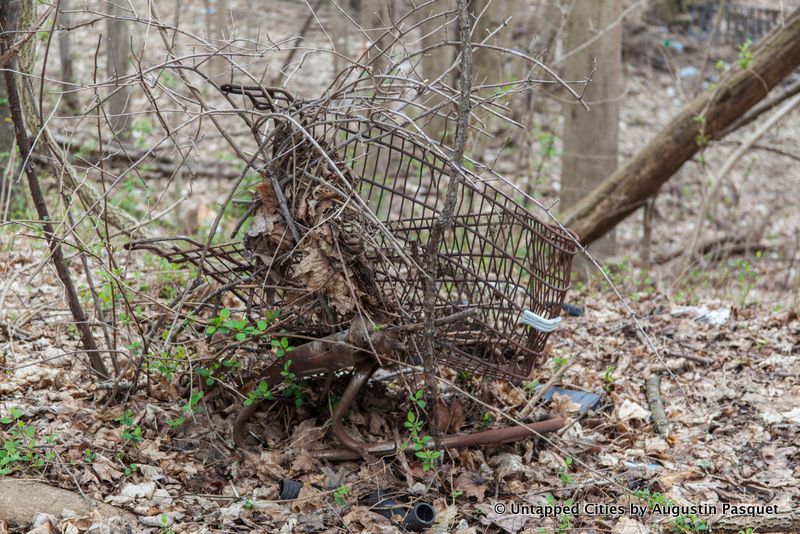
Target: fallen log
(21, 499)
(788, 522)
(88, 151)
(738, 91)
(652, 391)
(766, 105)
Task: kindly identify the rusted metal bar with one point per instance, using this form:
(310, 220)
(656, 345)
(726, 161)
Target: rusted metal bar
(363, 371)
(451, 441)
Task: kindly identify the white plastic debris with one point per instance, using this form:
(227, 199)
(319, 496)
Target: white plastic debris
(704, 314)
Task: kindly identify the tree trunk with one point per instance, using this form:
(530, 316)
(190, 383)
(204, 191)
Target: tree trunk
(375, 20)
(488, 65)
(6, 134)
(118, 58)
(340, 33)
(591, 138)
(666, 10)
(70, 99)
(434, 64)
(739, 90)
(219, 33)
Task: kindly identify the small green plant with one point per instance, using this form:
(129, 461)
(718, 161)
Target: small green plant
(487, 418)
(652, 498)
(565, 520)
(418, 441)
(464, 377)
(241, 330)
(688, 523)
(531, 386)
(261, 392)
(428, 458)
(609, 378)
(547, 145)
(746, 277)
(189, 408)
(281, 346)
(745, 54)
(702, 139)
(559, 362)
(682, 523)
(248, 504)
(89, 456)
(210, 373)
(563, 471)
(141, 129)
(130, 470)
(292, 387)
(417, 399)
(340, 495)
(20, 449)
(413, 424)
(168, 363)
(131, 433)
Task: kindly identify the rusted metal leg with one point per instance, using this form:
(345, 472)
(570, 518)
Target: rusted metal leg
(326, 390)
(452, 441)
(361, 374)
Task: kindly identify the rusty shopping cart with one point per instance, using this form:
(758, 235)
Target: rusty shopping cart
(336, 239)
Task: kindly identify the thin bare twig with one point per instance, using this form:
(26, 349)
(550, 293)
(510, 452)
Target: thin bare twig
(78, 314)
(445, 220)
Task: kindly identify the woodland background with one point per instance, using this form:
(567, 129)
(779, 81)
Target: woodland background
(696, 281)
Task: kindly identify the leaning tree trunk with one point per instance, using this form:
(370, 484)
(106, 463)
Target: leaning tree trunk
(739, 90)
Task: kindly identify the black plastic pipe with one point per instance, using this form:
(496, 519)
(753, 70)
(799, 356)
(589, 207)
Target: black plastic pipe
(289, 489)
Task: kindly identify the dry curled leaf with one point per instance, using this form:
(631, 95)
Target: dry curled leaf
(471, 485)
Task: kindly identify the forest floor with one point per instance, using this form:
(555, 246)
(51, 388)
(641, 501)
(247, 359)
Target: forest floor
(727, 332)
(730, 386)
